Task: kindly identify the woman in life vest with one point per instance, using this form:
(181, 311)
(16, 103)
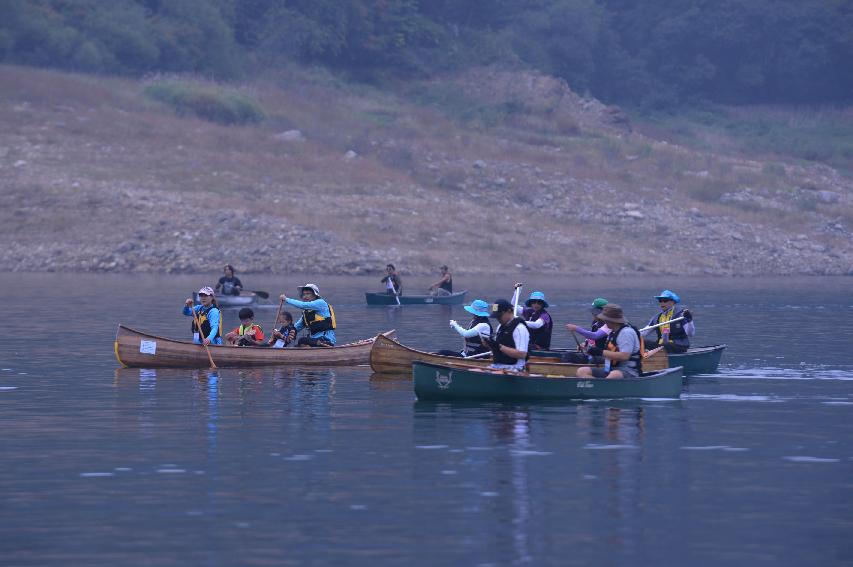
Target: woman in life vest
(444, 285)
(675, 336)
(248, 333)
(538, 321)
(478, 327)
(392, 281)
(317, 316)
(595, 336)
(209, 317)
(230, 284)
(509, 347)
(623, 355)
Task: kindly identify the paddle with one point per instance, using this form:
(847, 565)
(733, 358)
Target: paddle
(261, 294)
(198, 326)
(650, 327)
(277, 315)
(481, 355)
(515, 297)
(394, 289)
(577, 342)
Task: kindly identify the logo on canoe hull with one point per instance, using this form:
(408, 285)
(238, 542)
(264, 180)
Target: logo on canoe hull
(443, 380)
(428, 300)
(585, 384)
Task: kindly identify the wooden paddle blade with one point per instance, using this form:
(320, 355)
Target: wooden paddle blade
(655, 360)
(261, 294)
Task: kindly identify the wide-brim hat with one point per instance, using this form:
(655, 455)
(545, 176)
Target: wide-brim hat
(536, 296)
(667, 294)
(612, 313)
(597, 305)
(478, 307)
(312, 287)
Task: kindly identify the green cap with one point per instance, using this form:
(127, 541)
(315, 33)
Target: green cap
(599, 303)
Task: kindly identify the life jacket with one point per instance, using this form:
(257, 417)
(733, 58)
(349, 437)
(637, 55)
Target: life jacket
(473, 345)
(202, 314)
(677, 334)
(602, 342)
(316, 323)
(243, 329)
(541, 337)
(448, 286)
(504, 337)
(636, 360)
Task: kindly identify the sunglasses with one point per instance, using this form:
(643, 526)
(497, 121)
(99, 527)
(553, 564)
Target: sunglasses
(664, 300)
(204, 295)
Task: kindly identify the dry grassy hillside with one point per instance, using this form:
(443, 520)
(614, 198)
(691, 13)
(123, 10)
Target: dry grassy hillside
(488, 170)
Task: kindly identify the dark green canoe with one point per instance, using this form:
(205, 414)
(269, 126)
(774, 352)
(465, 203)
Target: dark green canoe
(697, 360)
(388, 299)
(448, 382)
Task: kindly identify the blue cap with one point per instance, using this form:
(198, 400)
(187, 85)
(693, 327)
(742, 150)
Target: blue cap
(478, 307)
(536, 296)
(666, 294)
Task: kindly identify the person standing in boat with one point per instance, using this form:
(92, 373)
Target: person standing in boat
(595, 336)
(317, 316)
(248, 333)
(209, 317)
(509, 347)
(673, 337)
(444, 285)
(538, 321)
(478, 327)
(229, 283)
(623, 354)
(393, 284)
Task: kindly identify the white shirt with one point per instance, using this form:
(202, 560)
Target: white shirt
(521, 338)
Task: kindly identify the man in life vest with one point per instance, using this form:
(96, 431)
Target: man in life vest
(509, 347)
(674, 337)
(248, 333)
(595, 336)
(317, 316)
(478, 327)
(623, 355)
(538, 321)
(209, 317)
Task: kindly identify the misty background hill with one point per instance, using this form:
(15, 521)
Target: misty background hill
(593, 136)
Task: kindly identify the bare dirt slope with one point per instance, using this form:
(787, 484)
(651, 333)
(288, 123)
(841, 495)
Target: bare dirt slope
(480, 171)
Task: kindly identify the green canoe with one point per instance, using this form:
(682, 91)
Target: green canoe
(449, 382)
(697, 360)
(388, 299)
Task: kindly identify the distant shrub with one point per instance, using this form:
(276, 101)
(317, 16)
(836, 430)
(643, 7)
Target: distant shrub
(209, 102)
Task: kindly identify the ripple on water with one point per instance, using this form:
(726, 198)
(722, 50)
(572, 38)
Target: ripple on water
(432, 446)
(732, 398)
(801, 372)
(807, 459)
(96, 474)
(8, 388)
(713, 448)
(609, 447)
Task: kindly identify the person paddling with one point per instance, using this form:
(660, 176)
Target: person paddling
(393, 284)
(209, 317)
(623, 355)
(248, 333)
(317, 316)
(478, 327)
(444, 285)
(229, 283)
(595, 336)
(538, 321)
(674, 337)
(285, 334)
(509, 347)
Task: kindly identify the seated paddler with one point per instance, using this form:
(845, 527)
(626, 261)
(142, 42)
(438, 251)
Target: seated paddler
(229, 284)
(317, 316)
(623, 355)
(248, 333)
(509, 346)
(594, 337)
(209, 318)
(674, 334)
(444, 285)
(538, 321)
(479, 326)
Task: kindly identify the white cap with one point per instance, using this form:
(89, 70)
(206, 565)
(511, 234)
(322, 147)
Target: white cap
(312, 287)
(206, 290)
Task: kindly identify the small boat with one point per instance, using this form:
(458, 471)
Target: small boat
(388, 299)
(142, 350)
(697, 360)
(453, 382)
(245, 299)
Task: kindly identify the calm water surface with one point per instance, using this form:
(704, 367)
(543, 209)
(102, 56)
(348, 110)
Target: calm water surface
(109, 466)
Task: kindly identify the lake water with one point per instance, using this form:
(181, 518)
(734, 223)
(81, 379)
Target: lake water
(282, 466)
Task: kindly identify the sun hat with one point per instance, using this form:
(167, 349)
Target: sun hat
(312, 287)
(597, 305)
(245, 313)
(612, 313)
(666, 294)
(206, 290)
(536, 296)
(500, 306)
(478, 307)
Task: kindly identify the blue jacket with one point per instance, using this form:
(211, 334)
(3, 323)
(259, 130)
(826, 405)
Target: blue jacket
(214, 316)
(322, 308)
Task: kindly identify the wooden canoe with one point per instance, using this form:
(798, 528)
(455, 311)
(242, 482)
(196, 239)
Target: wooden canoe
(388, 299)
(697, 360)
(388, 356)
(137, 349)
(453, 382)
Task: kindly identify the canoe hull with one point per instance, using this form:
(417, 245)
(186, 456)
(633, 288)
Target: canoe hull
(388, 299)
(227, 301)
(697, 360)
(137, 349)
(445, 382)
(389, 357)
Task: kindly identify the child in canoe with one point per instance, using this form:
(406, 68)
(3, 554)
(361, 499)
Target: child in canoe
(248, 333)
(285, 334)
